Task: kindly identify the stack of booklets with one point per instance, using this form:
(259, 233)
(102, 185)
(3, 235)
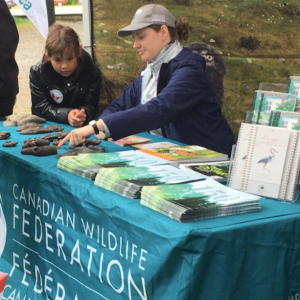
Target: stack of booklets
(216, 170)
(266, 162)
(128, 181)
(87, 165)
(198, 200)
(183, 154)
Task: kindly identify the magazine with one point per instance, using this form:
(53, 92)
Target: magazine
(130, 140)
(188, 153)
(216, 170)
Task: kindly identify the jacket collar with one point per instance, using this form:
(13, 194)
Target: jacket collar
(182, 58)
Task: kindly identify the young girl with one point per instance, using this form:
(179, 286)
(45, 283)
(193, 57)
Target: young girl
(171, 96)
(65, 85)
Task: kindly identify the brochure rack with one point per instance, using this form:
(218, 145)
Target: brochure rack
(280, 180)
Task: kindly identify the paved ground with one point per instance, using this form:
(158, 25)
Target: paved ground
(29, 51)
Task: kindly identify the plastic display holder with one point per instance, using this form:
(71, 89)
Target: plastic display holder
(248, 118)
(296, 183)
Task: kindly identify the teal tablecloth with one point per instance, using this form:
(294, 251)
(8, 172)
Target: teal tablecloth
(62, 237)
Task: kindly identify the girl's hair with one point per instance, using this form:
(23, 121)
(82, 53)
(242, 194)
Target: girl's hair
(61, 39)
(181, 30)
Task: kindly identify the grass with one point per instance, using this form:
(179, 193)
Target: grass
(21, 21)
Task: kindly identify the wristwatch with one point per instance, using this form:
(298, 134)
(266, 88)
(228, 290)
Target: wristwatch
(93, 123)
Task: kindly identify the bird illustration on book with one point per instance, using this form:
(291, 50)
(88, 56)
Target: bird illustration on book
(267, 159)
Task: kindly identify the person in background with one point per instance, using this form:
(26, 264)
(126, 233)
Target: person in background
(171, 97)
(9, 39)
(65, 85)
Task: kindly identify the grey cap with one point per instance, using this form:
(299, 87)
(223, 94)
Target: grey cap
(148, 15)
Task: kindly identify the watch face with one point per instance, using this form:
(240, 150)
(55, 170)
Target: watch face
(92, 122)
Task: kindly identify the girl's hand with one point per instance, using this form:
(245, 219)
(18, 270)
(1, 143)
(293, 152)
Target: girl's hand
(76, 117)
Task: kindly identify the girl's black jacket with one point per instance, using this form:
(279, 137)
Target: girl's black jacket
(53, 96)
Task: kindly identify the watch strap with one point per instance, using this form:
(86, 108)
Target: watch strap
(95, 128)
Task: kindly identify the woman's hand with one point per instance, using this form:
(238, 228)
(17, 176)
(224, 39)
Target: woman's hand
(76, 117)
(79, 135)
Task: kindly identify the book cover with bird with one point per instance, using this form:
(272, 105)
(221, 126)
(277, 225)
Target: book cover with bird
(267, 156)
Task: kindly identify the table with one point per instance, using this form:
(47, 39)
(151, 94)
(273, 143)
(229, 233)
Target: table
(62, 237)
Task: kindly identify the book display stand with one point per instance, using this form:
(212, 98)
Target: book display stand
(266, 162)
(277, 98)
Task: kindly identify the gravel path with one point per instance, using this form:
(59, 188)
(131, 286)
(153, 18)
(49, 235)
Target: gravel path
(29, 51)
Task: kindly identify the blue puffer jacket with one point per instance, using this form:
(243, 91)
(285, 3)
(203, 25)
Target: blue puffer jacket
(185, 108)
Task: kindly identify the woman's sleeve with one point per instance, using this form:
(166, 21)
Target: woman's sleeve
(128, 99)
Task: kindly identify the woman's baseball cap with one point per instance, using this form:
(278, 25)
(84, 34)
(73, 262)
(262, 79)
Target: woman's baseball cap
(148, 15)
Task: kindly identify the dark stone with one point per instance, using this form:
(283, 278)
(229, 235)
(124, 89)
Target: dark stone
(34, 130)
(9, 123)
(4, 135)
(29, 125)
(68, 153)
(10, 144)
(55, 128)
(61, 134)
(40, 151)
(91, 142)
(83, 149)
(49, 137)
(38, 142)
(56, 142)
(96, 149)
(29, 140)
(29, 118)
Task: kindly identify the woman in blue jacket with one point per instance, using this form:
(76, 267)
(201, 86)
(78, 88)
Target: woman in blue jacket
(171, 96)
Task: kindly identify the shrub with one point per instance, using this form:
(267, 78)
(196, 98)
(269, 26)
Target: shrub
(249, 42)
(183, 2)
